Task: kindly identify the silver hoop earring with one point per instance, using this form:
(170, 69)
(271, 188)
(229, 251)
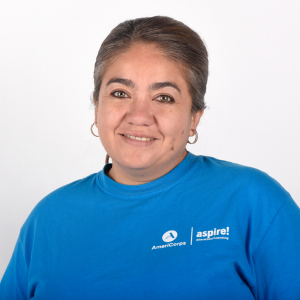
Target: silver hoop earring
(92, 130)
(196, 137)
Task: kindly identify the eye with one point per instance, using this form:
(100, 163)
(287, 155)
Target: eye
(119, 94)
(165, 98)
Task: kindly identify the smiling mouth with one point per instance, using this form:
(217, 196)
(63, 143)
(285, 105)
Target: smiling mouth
(144, 139)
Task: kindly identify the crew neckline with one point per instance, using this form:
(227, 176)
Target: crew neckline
(111, 186)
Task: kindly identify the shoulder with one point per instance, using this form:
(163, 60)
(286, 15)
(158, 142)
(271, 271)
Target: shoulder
(242, 174)
(227, 167)
(252, 183)
(71, 191)
(61, 201)
(252, 197)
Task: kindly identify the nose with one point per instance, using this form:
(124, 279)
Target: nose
(140, 113)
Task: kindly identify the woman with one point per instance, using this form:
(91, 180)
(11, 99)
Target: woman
(158, 222)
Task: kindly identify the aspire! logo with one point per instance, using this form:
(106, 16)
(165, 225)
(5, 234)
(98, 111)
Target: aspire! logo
(213, 234)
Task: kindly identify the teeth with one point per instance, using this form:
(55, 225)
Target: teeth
(138, 138)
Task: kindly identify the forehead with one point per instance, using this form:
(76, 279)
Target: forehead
(144, 64)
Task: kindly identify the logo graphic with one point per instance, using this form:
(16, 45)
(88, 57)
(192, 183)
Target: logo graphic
(169, 236)
(216, 234)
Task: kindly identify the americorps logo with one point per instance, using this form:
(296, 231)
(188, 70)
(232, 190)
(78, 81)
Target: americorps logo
(169, 236)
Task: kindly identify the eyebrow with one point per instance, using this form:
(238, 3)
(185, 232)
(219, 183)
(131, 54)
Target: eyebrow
(154, 86)
(159, 85)
(124, 81)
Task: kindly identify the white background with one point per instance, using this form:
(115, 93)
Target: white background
(48, 49)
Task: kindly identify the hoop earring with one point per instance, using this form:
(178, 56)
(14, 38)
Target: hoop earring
(196, 138)
(92, 130)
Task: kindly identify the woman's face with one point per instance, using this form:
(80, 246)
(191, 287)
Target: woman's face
(144, 113)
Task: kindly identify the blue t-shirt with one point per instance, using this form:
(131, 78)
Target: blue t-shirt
(209, 229)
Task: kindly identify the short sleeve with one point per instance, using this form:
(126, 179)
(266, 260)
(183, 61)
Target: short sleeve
(277, 257)
(13, 285)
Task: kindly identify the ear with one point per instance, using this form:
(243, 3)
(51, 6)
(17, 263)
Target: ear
(96, 113)
(195, 120)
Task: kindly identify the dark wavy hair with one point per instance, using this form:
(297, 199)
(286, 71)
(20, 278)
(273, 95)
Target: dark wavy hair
(176, 40)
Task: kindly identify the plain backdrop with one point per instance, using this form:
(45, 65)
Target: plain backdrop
(48, 50)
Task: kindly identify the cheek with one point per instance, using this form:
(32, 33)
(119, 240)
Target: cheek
(105, 123)
(107, 117)
(176, 131)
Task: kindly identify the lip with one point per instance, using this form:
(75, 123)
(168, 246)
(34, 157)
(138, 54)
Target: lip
(137, 143)
(140, 135)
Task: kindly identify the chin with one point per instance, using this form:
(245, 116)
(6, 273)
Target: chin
(134, 162)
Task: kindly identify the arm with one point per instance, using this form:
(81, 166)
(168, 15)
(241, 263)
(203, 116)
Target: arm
(13, 285)
(277, 257)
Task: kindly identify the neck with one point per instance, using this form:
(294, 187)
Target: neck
(131, 176)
